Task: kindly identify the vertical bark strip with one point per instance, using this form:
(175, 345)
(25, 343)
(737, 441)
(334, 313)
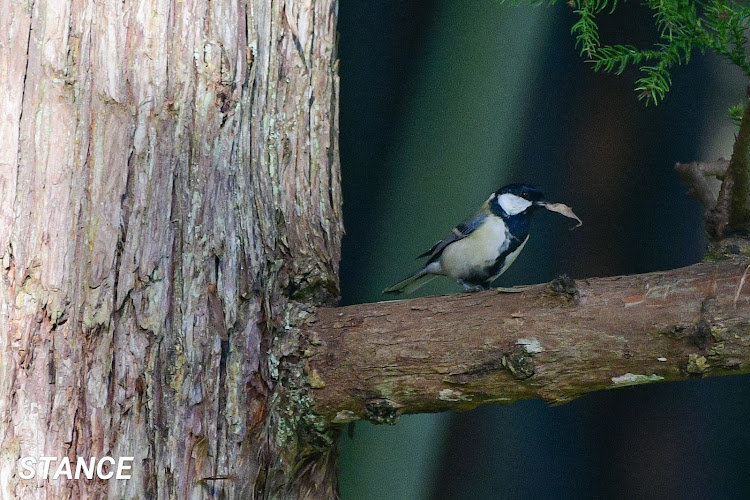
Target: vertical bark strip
(169, 212)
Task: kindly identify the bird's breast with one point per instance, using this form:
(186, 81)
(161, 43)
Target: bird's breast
(469, 257)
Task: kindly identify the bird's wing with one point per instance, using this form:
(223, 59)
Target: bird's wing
(459, 232)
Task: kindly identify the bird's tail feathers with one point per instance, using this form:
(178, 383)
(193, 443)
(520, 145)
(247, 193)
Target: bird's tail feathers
(410, 284)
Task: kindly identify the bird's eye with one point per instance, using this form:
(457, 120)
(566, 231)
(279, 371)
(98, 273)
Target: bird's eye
(525, 194)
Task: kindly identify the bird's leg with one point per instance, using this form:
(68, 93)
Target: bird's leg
(471, 288)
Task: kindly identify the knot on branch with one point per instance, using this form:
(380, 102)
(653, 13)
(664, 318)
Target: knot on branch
(696, 335)
(565, 287)
(519, 362)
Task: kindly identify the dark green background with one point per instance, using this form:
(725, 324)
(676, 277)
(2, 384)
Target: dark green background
(442, 103)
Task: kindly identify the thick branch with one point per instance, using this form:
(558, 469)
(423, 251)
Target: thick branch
(554, 342)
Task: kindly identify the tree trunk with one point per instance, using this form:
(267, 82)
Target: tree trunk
(169, 212)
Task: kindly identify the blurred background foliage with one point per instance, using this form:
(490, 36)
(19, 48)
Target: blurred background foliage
(442, 102)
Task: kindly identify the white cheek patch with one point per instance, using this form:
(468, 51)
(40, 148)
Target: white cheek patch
(513, 204)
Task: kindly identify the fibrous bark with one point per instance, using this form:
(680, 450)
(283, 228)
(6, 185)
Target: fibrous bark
(169, 209)
(553, 342)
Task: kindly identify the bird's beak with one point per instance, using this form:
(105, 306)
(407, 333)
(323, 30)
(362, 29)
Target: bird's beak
(540, 203)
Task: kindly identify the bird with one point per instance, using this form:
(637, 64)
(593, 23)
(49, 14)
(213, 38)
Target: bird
(482, 247)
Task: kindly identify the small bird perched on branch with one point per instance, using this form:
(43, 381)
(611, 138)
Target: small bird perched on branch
(484, 246)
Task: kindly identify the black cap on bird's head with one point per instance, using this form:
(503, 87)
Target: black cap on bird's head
(518, 198)
(524, 191)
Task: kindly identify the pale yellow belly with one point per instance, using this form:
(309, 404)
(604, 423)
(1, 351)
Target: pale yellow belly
(466, 257)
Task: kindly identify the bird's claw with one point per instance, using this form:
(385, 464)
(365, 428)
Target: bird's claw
(472, 288)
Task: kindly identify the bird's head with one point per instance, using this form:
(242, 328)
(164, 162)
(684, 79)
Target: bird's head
(514, 199)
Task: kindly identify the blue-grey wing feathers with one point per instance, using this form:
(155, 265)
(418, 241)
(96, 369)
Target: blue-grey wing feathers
(459, 232)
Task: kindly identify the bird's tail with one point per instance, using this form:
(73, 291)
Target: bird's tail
(416, 280)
